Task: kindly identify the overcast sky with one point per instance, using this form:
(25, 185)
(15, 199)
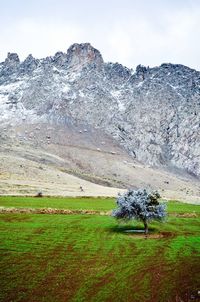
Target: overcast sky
(131, 32)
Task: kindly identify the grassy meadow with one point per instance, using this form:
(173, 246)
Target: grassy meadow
(86, 258)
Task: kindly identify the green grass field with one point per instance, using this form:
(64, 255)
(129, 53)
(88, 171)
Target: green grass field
(84, 203)
(83, 258)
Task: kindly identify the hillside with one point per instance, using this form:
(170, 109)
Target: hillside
(100, 122)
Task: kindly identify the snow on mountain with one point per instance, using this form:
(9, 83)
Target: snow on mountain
(153, 112)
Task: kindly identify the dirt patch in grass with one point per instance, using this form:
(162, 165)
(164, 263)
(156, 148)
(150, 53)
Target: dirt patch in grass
(39, 231)
(15, 218)
(138, 233)
(57, 280)
(188, 283)
(61, 289)
(153, 236)
(167, 282)
(98, 285)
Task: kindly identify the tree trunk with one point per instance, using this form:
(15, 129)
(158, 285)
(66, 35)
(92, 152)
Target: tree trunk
(145, 227)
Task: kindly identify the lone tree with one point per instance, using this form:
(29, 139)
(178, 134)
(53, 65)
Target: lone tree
(140, 204)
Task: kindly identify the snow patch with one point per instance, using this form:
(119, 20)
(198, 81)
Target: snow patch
(174, 87)
(66, 88)
(140, 84)
(10, 87)
(117, 95)
(3, 99)
(73, 76)
(81, 94)
(55, 69)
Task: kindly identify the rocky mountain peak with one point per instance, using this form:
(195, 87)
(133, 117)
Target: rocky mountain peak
(153, 113)
(79, 55)
(12, 57)
(11, 64)
(141, 71)
(30, 58)
(29, 64)
(12, 60)
(60, 59)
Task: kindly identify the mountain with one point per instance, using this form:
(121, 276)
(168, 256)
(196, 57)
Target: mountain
(151, 113)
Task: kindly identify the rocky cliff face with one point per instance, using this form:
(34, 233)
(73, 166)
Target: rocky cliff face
(153, 112)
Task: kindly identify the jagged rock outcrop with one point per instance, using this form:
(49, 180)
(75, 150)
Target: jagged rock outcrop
(29, 64)
(153, 112)
(12, 59)
(80, 55)
(60, 59)
(10, 65)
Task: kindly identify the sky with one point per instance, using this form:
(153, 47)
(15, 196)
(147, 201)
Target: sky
(131, 32)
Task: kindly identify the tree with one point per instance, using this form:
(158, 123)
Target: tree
(140, 204)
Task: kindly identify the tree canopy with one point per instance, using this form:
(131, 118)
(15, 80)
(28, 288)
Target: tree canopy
(140, 204)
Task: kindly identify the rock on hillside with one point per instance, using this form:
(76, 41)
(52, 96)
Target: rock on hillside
(153, 112)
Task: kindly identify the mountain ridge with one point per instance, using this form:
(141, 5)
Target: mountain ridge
(153, 113)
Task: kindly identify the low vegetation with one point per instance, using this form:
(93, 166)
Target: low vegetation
(83, 258)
